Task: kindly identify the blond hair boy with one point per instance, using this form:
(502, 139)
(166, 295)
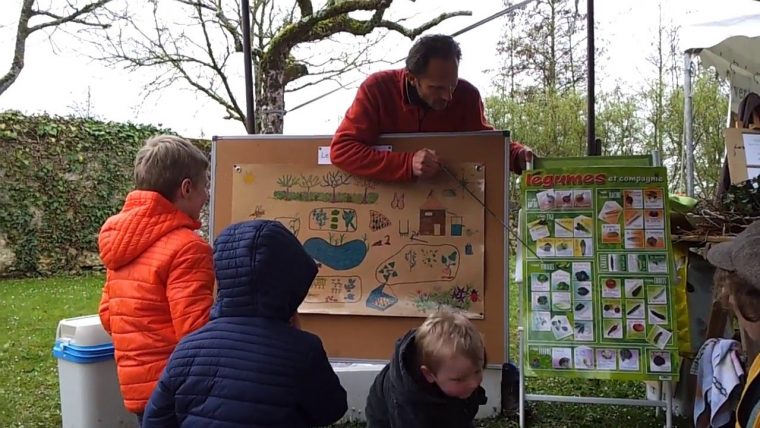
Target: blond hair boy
(433, 379)
(159, 271)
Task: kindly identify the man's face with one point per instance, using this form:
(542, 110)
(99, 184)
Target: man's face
(436, 86)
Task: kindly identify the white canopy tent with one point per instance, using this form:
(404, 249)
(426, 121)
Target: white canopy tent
(730, 42)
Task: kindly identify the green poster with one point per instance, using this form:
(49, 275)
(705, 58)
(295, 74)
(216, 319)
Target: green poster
(598, 290)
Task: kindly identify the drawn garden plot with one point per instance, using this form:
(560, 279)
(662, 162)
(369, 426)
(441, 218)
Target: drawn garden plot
(382, 249)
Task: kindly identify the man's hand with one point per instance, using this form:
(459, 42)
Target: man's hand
(425, 163)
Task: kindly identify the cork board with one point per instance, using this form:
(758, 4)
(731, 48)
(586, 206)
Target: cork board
(239, 163)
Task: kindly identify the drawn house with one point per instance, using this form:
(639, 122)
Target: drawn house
(432, 217)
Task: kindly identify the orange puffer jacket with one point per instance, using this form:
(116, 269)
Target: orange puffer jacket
(159, 287)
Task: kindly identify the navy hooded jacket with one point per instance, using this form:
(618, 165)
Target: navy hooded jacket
(248, 367)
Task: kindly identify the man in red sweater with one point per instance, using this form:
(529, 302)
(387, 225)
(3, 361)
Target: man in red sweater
(426, 96)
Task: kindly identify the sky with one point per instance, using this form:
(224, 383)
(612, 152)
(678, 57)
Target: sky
(59, 79)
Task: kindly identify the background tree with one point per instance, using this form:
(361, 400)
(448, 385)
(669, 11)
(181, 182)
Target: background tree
(34, 18)
(193, 41)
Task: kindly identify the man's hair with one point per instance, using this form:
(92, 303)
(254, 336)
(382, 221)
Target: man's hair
(428, 47)
(446, 334)
(165, 161)
(746, 297)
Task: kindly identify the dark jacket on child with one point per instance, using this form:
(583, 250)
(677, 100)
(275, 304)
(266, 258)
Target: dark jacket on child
(248, 367)
(400, 397)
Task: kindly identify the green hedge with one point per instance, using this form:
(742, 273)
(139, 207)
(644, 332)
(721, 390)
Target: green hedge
(61, 178)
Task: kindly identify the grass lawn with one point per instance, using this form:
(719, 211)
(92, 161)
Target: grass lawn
(29, 378)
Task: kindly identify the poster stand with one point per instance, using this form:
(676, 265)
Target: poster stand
(665, 382)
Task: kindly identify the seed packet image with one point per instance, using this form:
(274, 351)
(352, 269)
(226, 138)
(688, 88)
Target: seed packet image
(606, 359)
(634, 239)
(584, 358)
(561, 327)
(540, 301)
(635, 308)
(655, 219)
(582, 290)
(546, 200)
(612, 329)
(563, 227)
(584, 247)
(564, 247)
(563, 199)
(583, 310)
(545, 247)
(610, 212)
(629, 359)
(539, 229)
(539, 281)
(613, 263)
(657, 295)
(584, 330)
(542, 321)
(611, 234)
(659, 337)
(634, 288)
(540, 358)
(653, 198)
(655, 239)
(582, 271)
(583, 226)
(582, 198)
(633, 219)
(633, 199)
(561, 301)
(560, 280)
(637, 263)
(562, 358)
(658, 314)
(635, 329)
(659, 361)
(610, 287)
(657, 263)
(611, 308)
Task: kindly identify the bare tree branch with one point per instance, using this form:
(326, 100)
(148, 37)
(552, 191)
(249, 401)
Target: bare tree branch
(23, 31)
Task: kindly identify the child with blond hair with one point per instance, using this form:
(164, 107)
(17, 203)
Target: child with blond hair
(433, 379)
(159, 271)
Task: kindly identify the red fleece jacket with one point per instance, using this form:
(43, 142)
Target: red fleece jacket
(382, 106)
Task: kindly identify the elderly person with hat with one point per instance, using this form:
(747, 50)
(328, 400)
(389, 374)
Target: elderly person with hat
(737, 279)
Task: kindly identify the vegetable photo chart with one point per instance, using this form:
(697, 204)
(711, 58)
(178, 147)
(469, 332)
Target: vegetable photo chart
(382, 249)
(598, 297)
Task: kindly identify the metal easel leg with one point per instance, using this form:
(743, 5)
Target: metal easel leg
(668, 404)
(521, 396)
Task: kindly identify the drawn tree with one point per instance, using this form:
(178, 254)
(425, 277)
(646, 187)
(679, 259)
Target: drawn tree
(308, 182)
(288, 181)
(367, 184)
(195, 43)
(83, 14)
(334, 180)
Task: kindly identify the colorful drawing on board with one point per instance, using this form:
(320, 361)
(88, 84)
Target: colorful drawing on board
(335, 289)
(378, 221)
(367, 184)
(292, 223)
(381, 242)
(337, 254)
(380, 300)
(432, 217)
(257, 212)
(333, 219)
(426, 263)
(456, 297)
(397, 203)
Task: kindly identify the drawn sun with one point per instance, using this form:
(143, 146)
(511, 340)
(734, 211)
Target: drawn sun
(248, 177)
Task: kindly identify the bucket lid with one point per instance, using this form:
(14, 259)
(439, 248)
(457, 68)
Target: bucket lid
(82, 331)
(64, 350)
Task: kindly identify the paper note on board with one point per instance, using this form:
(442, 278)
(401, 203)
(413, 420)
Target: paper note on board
(323, 153)
(752, 149)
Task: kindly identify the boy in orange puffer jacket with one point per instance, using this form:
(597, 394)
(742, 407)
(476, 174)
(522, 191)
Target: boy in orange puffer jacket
(160, 278)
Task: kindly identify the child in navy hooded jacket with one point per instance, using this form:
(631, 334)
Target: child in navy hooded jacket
(248, 367)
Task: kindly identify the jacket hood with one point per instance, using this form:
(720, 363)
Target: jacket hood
(146, 217)
(407, 378)
(262, 270)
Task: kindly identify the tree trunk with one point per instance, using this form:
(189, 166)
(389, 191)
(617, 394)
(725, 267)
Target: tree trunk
(270, 104)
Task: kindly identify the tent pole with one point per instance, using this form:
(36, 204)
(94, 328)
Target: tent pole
(688, 124)
(250, 117)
